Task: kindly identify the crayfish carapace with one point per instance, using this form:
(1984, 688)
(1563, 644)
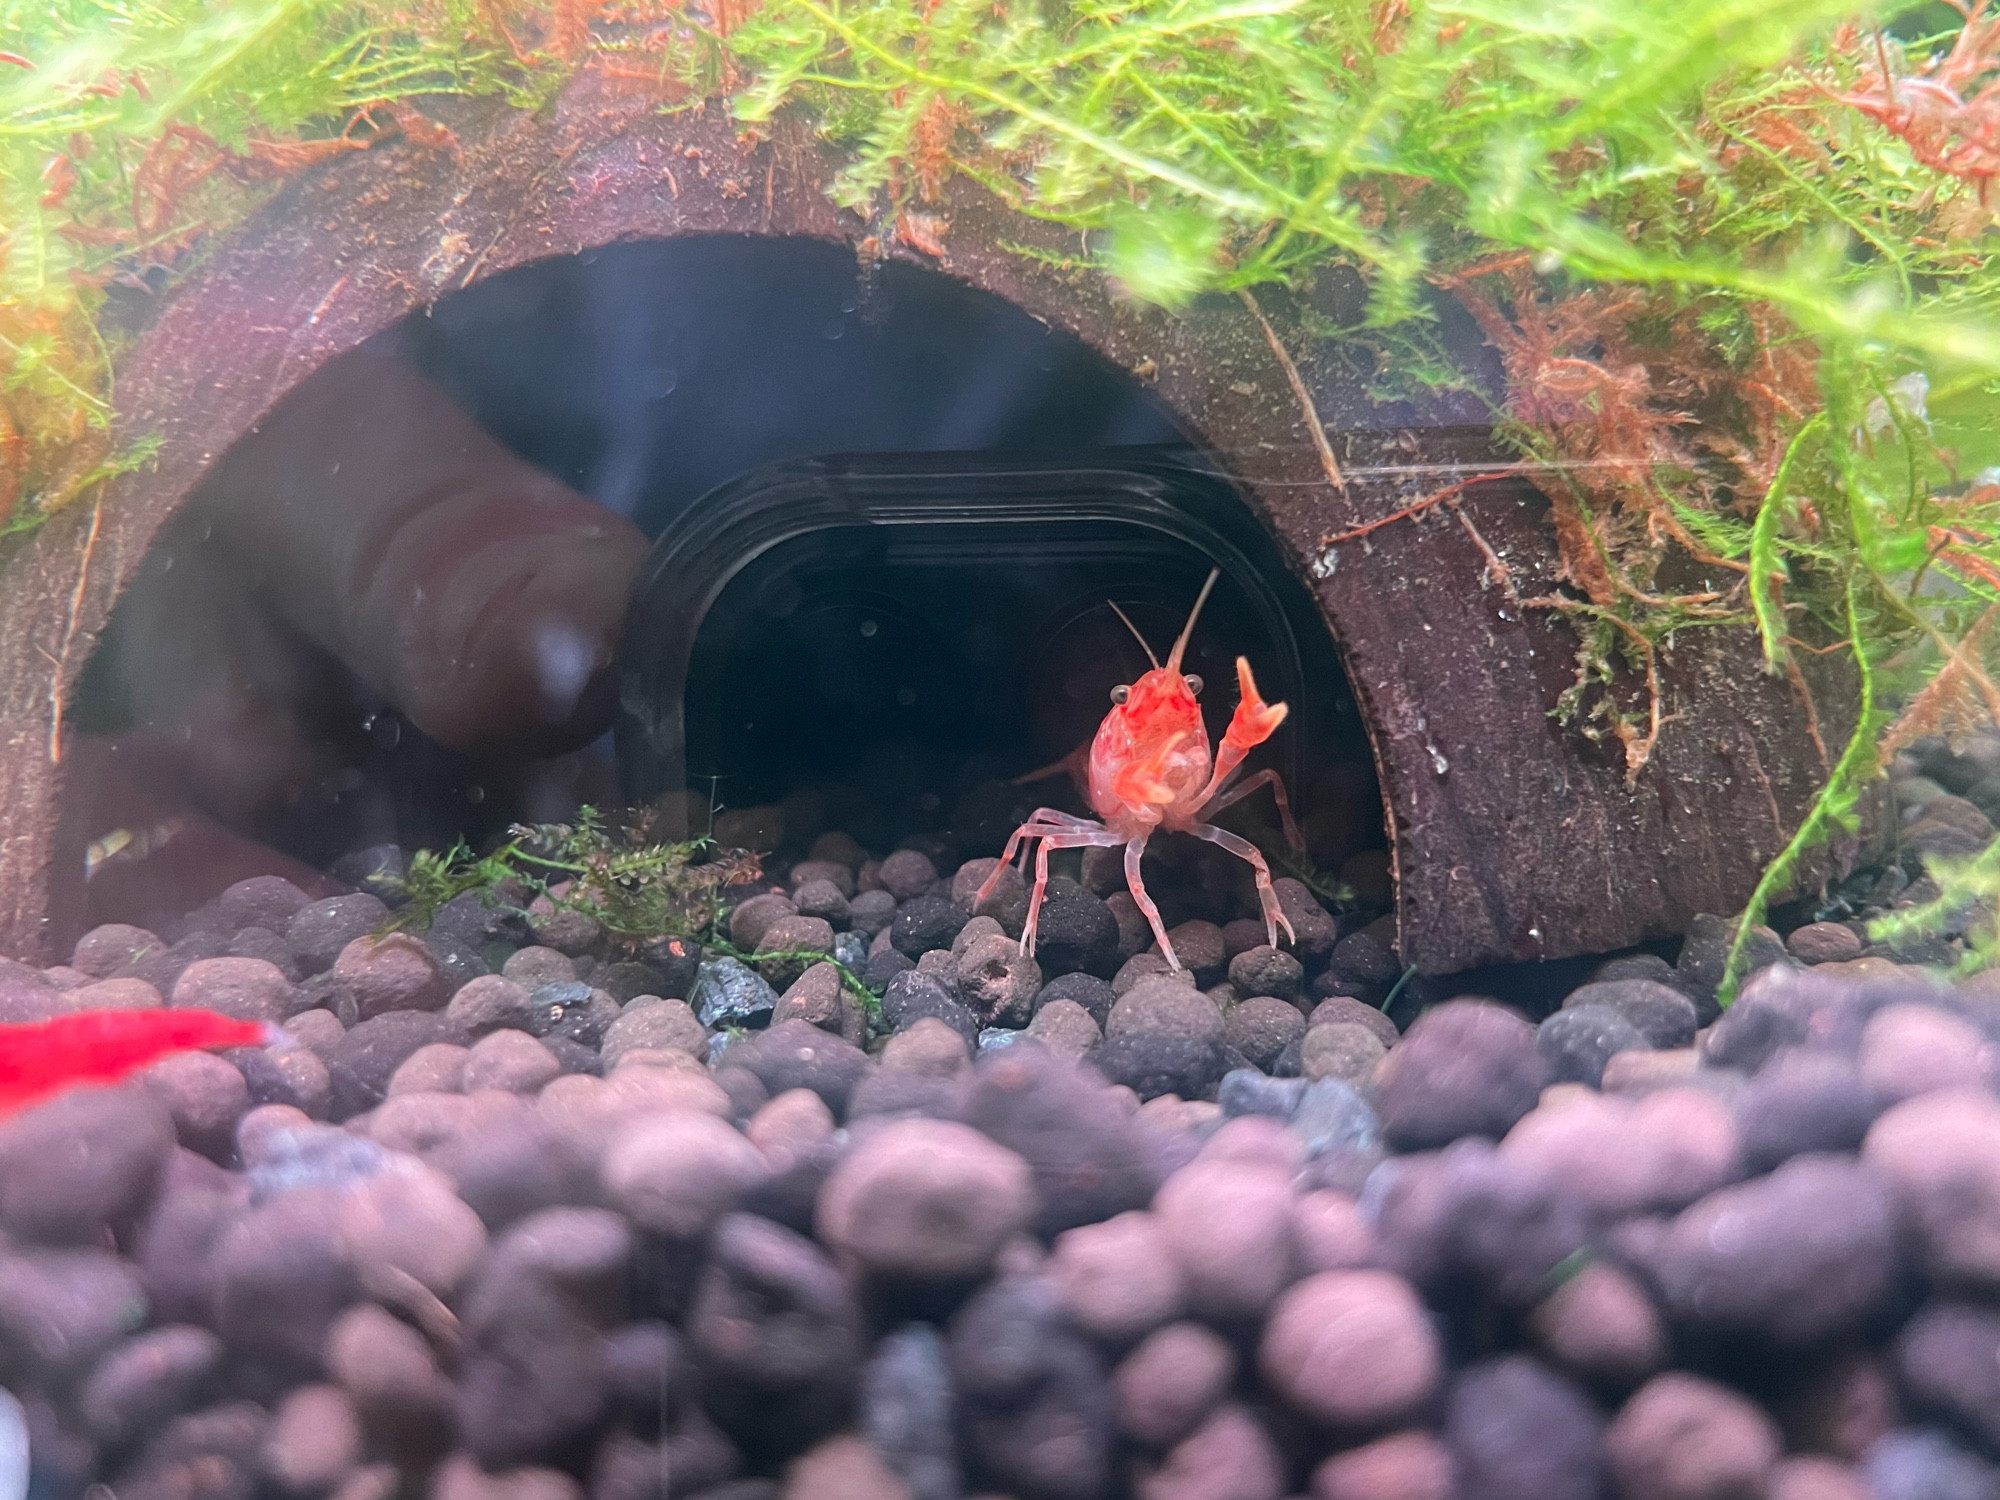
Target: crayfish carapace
(1149, 770)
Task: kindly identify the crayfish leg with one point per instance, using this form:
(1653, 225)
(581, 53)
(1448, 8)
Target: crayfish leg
(1267, 898)
(1056, 830)
(1134, 851)
(1250, 784)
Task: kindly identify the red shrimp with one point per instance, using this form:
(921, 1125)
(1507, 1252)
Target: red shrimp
(1149, 770)
(41, 1058)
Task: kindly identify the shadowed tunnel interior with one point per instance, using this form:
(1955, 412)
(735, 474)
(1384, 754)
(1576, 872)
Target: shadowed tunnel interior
(886, 679)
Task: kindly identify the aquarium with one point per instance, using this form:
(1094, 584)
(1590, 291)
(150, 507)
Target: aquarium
(851, 751)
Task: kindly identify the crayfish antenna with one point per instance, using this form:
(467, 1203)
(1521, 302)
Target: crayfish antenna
(1135, 632)
(1174, 661)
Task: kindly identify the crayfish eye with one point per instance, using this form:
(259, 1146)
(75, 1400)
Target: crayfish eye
(1120, 693)
(1194, 684)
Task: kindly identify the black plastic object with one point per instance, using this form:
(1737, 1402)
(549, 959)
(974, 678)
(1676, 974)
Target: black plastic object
(893, 629)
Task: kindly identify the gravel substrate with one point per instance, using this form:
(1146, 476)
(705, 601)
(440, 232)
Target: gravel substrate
(519, 1217)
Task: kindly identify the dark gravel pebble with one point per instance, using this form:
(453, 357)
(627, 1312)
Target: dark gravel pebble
(1262, 1027)
(1467, 1067)
(1919, 1463)
(1076, 930)
(1660, 1013)
(798, 1055)
(1154, 1064)
(1089, 1159)
(320, 930)
(60, 1310)
(1264, 970)
(1519, 1431)
(923, 923)
(83, 1164)
(1811, 1251)
(1088, 990)
(913, 995)
(1949, 1359)
(907, 874)
(1315, 931)
(907, 1411)
(148, 1379)
(1039, 1409)
(360, 1065)
(777, 1335)
(1576, 1042)
(1803, 1100)
(1471, 1216)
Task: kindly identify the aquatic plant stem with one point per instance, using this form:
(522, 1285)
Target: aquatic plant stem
(1855, 766)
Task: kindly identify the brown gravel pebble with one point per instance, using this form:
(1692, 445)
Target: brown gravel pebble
(1229, 1457)
(844, 1468)
(1638, 1072)
(997, 981)
(397, 972)
(535, 965)
(929, 1046)
(1660, 1151)
(818, 997)
(389, 1370)
(82, 1164)
(1174, 1378)
(678, 1173)
(1467, 1067)
(1401, 1466)
(1808, 1476)
(317, 1029)
(1600, 1324)
(1264, 970)
(436, 1069)
(1343, 1050)
(1262, 1027)
(1119, 1279)
(1162, 1006)
(1337, 1008)
(1824, 943)
(1352, 1348)
(490, 1002)
(103, 951)
(1949, 1356)
(1681, 1437)
(789, 1126)
(509, 1060)
(248, 988)
(410, 1221)
(1066, 1029)
(654, 1024)
(205, 1096)
(116, 994)
(1941, 1152)
(926, 1199)
(314, 1439)
(1229, 1226)
(460, 1477)
(1142, 966)
(1330, 1234)
(1913, 1049)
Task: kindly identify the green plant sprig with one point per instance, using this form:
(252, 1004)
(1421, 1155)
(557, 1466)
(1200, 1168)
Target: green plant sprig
(636, 891)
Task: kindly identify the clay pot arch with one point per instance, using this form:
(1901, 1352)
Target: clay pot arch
(1512, 837)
